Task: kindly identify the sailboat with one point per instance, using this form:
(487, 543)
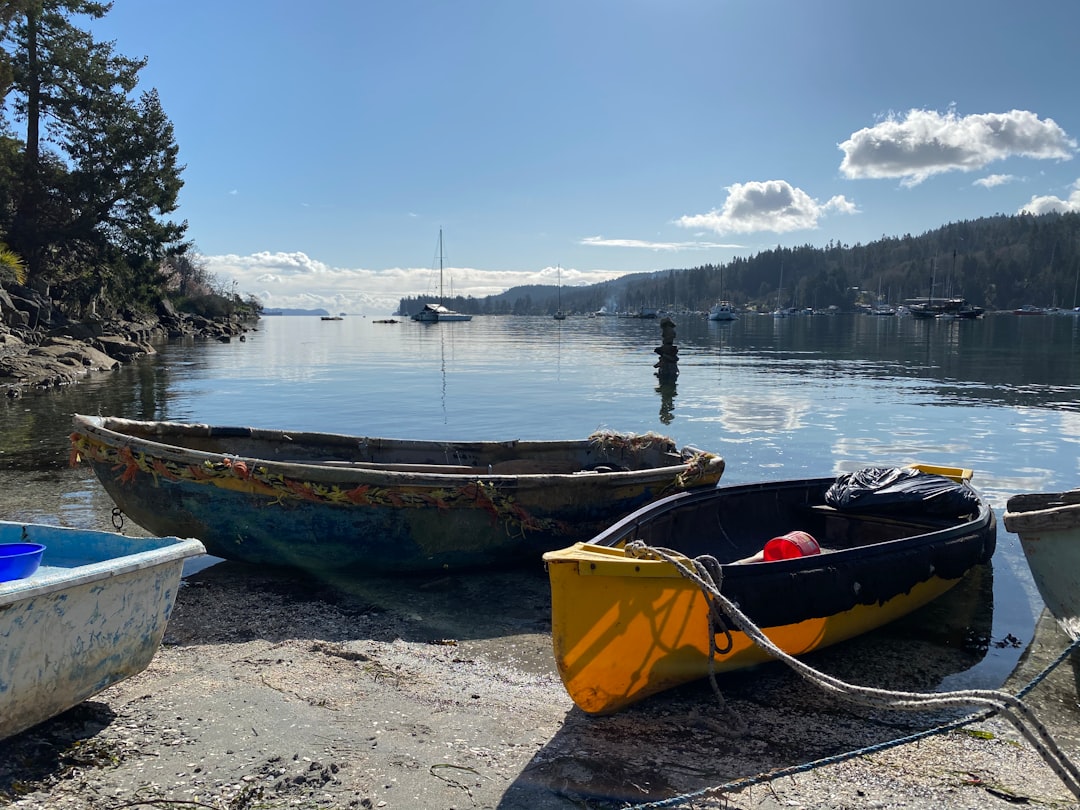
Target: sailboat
(559, 314)
(437, 313)
(780, 312)
(722, 310)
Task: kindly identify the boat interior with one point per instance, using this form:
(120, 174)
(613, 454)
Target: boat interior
(404, 455)
(732, 524)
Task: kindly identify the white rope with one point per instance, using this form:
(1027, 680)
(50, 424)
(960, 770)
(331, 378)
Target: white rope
(707, 574)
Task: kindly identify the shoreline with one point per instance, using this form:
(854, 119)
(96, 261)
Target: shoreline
(42, 349)
(272, 690)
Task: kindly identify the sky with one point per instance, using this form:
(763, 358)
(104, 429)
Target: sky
(327, 144)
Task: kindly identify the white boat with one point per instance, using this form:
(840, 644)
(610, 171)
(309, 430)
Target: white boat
(722, 311)
(1048, 524)
(92, 614)
(438, 313)
(559, 314)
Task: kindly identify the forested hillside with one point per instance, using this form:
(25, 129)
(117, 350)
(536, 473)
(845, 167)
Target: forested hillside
(1000, 262)
(89, 173)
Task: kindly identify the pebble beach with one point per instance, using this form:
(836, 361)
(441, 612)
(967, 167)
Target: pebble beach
(275, 691)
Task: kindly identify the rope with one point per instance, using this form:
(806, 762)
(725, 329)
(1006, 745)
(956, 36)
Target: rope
(707, 574)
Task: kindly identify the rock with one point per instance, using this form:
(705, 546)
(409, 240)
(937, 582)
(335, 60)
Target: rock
(122, 348)
(40, 347)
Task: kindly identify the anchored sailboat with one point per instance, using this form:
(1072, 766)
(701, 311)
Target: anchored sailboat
(559, 314)
(437, 313)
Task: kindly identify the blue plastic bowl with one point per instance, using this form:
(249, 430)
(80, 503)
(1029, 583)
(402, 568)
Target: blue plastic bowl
(19, 560)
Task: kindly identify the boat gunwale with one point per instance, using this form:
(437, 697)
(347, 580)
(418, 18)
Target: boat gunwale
(1042, 511)
(602, 549)
(49, 579)
(98, 428)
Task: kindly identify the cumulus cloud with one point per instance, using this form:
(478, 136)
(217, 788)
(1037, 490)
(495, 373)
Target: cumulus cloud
(297, 281)
(772, 205)
(992, 180)
(1050, 204)
(658, 246)
(925, 142)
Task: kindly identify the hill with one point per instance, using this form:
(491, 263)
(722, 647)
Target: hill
(1000, 262)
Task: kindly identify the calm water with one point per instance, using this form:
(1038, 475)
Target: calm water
(778, 398)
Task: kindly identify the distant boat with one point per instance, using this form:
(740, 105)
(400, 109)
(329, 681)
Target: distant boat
(723, 310)
(437, 313)
(781, 312)
(331, 317)
(559, 314)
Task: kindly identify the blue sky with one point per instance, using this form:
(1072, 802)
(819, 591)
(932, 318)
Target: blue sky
(327, 143)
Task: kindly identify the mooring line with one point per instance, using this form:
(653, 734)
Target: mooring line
(705, 573)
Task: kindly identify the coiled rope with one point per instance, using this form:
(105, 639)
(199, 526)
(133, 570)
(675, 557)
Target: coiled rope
(708, 575)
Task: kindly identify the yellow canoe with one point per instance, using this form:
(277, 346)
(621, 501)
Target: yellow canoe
(626, 627)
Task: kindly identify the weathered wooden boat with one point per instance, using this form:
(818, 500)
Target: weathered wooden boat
(318, 500)
(92, 614)
(1048, 524)
(627, 623)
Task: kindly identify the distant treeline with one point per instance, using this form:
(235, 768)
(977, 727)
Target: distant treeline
(1000, 262)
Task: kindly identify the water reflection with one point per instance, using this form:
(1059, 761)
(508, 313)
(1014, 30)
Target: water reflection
(778, 398)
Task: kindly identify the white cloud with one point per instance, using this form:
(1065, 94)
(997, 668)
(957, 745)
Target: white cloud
(1049, 204)
(295, 280)
(660, 246)
(926, 142)
(773, 205)
(992, 180)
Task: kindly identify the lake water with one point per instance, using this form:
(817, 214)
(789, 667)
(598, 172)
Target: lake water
(778, 398)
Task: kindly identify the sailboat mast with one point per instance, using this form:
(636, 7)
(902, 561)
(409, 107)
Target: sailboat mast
(440, 267)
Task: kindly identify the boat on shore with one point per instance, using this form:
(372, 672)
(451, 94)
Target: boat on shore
(1048, 524)
(327, 501)
(879, 543)
(90, 615)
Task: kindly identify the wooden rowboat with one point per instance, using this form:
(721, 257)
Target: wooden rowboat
(91, 615)
(323, 501)
(627, 624)
(1048, 524)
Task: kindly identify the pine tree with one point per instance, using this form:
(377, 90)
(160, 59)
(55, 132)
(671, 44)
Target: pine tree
(95, 208)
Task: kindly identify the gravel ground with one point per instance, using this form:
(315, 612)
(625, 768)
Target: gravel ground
(272, 691)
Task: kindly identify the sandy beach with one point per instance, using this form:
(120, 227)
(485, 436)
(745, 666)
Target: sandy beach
(274, 691)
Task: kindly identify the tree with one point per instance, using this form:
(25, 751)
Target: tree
(96, 206)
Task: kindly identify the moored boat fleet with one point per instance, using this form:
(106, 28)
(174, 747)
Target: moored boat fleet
(626, 526)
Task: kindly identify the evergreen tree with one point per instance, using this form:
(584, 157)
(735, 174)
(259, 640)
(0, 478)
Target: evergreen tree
(96, 208)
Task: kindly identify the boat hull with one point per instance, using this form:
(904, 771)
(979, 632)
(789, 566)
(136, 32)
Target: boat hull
(334, 510)
(91, 616)
(625, 628)
(1048, 525)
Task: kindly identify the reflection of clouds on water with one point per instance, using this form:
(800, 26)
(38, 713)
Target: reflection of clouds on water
(742, 415)
(1069, 427)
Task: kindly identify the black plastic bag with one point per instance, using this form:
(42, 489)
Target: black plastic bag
(895, 490)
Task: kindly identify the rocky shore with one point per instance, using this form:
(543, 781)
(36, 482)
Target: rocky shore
(42, 348)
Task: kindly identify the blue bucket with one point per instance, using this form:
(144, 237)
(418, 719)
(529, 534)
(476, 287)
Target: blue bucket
(19, 560)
